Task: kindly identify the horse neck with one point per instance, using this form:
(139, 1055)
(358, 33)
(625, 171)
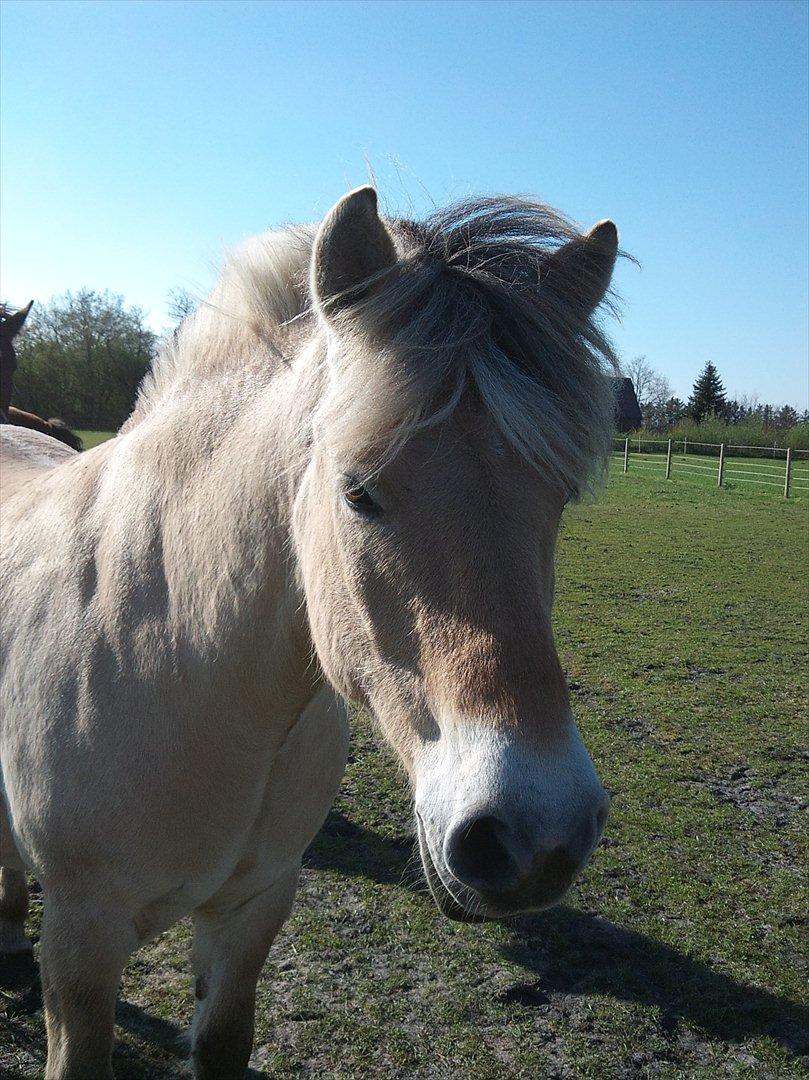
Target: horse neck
(216, 478)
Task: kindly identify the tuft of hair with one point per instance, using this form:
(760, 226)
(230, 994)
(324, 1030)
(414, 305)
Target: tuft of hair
(63, 433)
(262, 287)
(474, 300)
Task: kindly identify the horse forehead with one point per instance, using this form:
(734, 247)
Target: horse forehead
(484, 480)
(466, 448)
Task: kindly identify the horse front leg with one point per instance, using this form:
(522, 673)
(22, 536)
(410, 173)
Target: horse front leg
(230, 946)
(235, 929)
(82, 954)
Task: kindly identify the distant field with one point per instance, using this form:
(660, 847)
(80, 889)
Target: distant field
(93, 438)
(680, 618)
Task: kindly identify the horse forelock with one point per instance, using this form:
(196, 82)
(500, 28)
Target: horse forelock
(465, 304)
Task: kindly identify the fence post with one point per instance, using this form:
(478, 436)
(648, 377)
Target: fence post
(668, 461)
(788, 472)
(685, 445)
(626, 454)
(721, 464)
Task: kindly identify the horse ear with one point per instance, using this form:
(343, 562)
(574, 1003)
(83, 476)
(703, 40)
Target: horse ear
(579, 273)
(351, 249)
(12, 324)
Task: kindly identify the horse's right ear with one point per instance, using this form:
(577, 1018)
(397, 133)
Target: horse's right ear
(580, 271)
(12, 324)
(352, 249)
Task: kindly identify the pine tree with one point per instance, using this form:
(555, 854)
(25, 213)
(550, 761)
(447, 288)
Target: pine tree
(708, 396)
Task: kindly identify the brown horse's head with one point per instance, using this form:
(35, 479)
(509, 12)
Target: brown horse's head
(465, 404)
(11, 322)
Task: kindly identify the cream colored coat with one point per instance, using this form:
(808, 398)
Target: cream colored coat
(176, 600)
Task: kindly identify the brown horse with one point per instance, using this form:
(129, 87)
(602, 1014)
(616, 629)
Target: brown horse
(10, 325)
(54, 427)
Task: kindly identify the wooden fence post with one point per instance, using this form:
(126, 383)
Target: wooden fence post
(685, 445)
(788, 472)
(668, 461)
(721, 464)
(626, 455)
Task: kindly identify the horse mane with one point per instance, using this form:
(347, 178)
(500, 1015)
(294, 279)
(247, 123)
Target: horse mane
(261, 290)
(467, 305)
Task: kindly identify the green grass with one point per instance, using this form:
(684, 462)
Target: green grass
(680, 619)
(93, 438)
(759, 474)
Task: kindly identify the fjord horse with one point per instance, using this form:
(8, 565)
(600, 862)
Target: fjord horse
(393, 416)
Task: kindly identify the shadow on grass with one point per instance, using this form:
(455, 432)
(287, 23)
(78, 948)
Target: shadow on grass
(568, 954)
(359, 852)
(21, 1029)
(574, 953)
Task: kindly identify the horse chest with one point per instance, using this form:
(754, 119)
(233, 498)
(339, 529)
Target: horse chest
(296, 794)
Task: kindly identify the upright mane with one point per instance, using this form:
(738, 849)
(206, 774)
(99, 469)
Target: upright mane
(474, 301)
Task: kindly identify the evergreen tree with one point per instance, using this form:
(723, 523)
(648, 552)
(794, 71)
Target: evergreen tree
(674, 410)
(708, 396)
(786, 417)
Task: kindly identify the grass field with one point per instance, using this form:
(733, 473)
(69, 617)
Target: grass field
(681, 622)
(759, 473)
(93, 438)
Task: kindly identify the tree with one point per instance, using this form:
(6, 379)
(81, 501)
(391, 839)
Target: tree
(82, 358)
(785, 417)
(674, 410)
(651, 388)
(708, 396)
(181, 304)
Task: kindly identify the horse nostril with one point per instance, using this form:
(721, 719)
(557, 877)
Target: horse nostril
(477, 854)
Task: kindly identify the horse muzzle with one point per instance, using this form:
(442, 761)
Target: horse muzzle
(503, 830)
(483, 872)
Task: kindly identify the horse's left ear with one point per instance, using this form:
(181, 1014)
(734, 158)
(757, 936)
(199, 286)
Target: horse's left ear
(351, 249)
(579, 273)
(12, 324)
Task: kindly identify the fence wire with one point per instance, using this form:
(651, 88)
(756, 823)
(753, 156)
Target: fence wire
(790, 472)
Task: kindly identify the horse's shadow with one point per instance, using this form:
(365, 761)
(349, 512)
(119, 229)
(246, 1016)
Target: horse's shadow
(355, 851)
(568, 953)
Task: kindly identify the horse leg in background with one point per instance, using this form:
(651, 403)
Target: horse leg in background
(82, 954)
(13, 895)
(13, 912)
(230, 947)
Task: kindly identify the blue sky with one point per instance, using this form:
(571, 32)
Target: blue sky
(141, 139)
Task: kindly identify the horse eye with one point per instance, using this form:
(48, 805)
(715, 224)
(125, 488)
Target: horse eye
(358, 498)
